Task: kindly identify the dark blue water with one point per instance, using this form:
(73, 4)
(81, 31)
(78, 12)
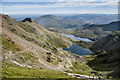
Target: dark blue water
(78, 50)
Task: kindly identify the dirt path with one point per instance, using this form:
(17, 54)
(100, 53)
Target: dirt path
(81, 76)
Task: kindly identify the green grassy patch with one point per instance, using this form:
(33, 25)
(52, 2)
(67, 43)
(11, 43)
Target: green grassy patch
(57, 42)
(11, 70)
(9, 45)
(80, 68)
(84, 44)
(27, 27)
(14, 72)
(27, 56)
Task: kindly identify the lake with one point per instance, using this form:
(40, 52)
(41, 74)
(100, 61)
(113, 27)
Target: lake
(77, 38)
(78, 50)
(75, 49)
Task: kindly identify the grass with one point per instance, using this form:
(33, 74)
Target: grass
(84, 44)
(57, 42)
(27, 27)
(14, 72)
(11, 70)
(89, 57)
(55, 62)
(27, 56)
(9, 45)
(80, 68)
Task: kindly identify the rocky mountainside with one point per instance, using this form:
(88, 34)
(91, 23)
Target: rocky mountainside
(28, 38)
(110, 42)
(29, 46)
(53, 22)
(108, 51)
(29, 20)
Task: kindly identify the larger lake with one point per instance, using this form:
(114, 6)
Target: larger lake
(75, 49)
(78, 50)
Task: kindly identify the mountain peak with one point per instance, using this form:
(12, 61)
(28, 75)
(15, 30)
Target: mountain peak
(28, 19)
(49, 16)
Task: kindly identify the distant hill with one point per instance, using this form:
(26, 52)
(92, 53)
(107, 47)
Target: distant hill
(113, 26)
(95, 31)
(75, 24)
(51, 21)
(93, 18)
(89, 18)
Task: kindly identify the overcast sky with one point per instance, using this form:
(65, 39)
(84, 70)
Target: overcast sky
(59, 6)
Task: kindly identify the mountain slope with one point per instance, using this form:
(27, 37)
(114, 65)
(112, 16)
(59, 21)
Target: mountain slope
(110, 42)
(51, 21)
(95, 31)
(108, 51)
(32, 38)
(27, 44)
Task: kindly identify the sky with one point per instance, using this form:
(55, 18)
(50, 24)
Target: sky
(59, 6)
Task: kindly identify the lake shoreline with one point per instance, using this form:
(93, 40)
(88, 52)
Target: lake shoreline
(75, 49)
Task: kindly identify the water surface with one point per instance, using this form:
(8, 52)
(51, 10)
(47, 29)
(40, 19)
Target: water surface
(77, 38)
(75, 49)
(78, 50)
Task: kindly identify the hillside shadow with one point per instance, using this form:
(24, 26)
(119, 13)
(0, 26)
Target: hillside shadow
(107, 62)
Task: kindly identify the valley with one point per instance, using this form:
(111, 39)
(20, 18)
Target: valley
(52, 47)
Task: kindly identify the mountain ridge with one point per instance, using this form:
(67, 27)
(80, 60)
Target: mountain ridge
(95, 31)
(57, 23)
(48, 16)
(29, 20)
(94, 18)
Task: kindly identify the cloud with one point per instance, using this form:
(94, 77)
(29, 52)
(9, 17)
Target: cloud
(52, 4)
(55, 5)
(72, 5)
(86, 0)
(60, 0)
(63, 3)
(25, 0)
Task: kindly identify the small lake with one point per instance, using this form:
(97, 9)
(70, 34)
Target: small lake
(78, 50)
(77, 38)
(75, 49)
